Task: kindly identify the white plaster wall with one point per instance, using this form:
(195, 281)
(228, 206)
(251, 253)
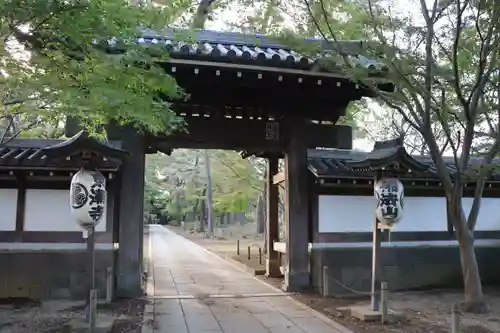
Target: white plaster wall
(356, 214)
(8, 209)
(49, 210)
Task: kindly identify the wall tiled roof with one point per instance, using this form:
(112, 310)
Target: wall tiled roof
(338, 163)
(255, 49)
(37, 152)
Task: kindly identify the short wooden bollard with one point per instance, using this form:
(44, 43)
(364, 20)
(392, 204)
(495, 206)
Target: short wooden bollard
(384, 310)
(238, 247)
(260, 256)
(93, 311)
(249, 253)
(455, 319)
(109, 284)
(67, 329)
(326, 287)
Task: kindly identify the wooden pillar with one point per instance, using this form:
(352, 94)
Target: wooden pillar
(297, 211)
(272, 219)
(131, 223)
(21, 206)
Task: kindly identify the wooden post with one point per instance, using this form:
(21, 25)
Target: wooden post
(272, 219)
(238, 247)
(376, 244)
(67, 328)
(93, 310)
(384, 310)
(130, 218)
(91, 267)
(260, 255)
(455, 319)
(249, 253)
(375, 297)
(109, 284)
(297, 210)
(326, 287)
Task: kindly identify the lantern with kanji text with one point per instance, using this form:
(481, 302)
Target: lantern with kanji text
(88, 197)
(389, 195)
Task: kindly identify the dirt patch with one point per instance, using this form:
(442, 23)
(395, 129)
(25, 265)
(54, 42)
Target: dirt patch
(52, 316)
(426, 311)
(20, 317)
(129, 312)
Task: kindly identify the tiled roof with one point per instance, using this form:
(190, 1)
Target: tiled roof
(82, 141)
(216, 46)
(35, 153)
(338, 163)
(24, 151)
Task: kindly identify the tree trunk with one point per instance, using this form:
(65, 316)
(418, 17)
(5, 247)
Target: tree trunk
(209, 195)
(178, 208)
(473, 290)
(195, 209)
(201, 14)
(203, 215)
(474, 298)
(203, 211)
(261, 218)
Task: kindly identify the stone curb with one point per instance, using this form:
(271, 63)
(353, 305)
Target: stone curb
(242, 266)
(236, 264)
(148, 320)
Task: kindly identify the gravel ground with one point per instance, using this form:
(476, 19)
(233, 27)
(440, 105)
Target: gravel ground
(425, 311)
(23, 316)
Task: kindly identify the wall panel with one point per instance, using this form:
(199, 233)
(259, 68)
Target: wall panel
(49, 210)
(8, 208)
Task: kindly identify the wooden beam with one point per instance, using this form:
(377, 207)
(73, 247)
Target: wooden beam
(261, 103)
(252, 68)
(262, 154)
(251, 134)
(165, 150)
(278, 178)
(224, 133)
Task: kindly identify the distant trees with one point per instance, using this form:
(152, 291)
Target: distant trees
(182, 180)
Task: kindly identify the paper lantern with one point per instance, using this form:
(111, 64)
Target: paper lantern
(389, 193)
(88, 197)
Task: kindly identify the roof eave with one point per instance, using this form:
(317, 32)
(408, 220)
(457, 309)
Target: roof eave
(83, 142)
(393, 156)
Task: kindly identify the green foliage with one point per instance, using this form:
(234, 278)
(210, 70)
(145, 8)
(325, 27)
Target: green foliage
(182, 180)
(53, 69)
(236, 180)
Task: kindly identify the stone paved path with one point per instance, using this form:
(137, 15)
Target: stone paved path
(202, 293)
